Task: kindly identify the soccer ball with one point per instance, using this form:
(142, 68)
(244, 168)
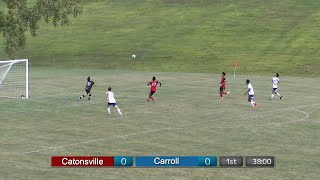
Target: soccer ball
(133, 56)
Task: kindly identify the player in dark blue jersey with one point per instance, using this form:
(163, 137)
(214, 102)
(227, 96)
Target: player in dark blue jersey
(88, 88)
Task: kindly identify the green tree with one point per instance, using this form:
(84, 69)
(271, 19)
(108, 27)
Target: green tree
(19, 18)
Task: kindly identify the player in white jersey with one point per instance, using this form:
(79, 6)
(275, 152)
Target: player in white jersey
(250, 93)
(275, 82)
(112, 101)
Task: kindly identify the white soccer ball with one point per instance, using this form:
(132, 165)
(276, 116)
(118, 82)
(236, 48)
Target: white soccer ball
(133, 56)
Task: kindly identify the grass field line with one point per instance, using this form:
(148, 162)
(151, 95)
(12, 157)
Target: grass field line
(128, 88)
(93, 102)
(170, 128)
(273, 123)
(303, 112)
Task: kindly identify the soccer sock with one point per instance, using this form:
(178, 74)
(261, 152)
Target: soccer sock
(89, 97)
(119, 111)
(152, 98)
(224, 93)
(108, 110)
(220, 94)
(278, 94)
(272, 95)
(252, 103)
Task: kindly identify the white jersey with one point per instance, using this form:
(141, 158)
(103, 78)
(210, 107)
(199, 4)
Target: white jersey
(110, 96)
(275, 82)
(250, 88)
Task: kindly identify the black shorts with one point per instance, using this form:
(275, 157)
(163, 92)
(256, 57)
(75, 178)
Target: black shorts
(88, 91)
(222, 89)
(112, 104)
(152, 92)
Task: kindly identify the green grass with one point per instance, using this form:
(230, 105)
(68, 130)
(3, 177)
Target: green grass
(171, 39)
(185, 36)
(187, 103)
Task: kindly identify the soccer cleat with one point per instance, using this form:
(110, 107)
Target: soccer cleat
(270, 98)
(280, 97)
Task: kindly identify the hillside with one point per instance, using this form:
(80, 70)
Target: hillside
(185, 36)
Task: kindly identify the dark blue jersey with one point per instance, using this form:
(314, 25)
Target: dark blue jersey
(89, 85)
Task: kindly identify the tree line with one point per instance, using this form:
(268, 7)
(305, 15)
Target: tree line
(19, 18)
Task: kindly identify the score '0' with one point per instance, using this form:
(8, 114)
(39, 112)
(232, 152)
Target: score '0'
(207, 161)
(123, 161)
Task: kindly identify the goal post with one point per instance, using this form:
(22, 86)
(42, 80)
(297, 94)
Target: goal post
(14, 78)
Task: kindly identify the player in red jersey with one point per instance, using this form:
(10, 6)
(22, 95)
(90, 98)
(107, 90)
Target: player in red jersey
(223, 85)
(154, 83)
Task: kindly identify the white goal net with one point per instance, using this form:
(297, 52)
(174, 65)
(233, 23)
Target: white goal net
(14, 79)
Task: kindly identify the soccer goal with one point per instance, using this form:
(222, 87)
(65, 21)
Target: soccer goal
(14, 78)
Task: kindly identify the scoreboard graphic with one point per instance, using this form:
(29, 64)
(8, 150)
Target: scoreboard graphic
(163, 161)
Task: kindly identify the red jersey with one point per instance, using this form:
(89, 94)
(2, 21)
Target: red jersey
(223, 82)
(153, 85)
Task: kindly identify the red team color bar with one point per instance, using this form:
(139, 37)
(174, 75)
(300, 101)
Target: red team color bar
(82, 161)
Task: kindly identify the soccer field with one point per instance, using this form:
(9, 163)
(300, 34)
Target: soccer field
(188, 118)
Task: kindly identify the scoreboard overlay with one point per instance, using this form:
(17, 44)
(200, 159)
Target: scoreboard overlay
(164, 161)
